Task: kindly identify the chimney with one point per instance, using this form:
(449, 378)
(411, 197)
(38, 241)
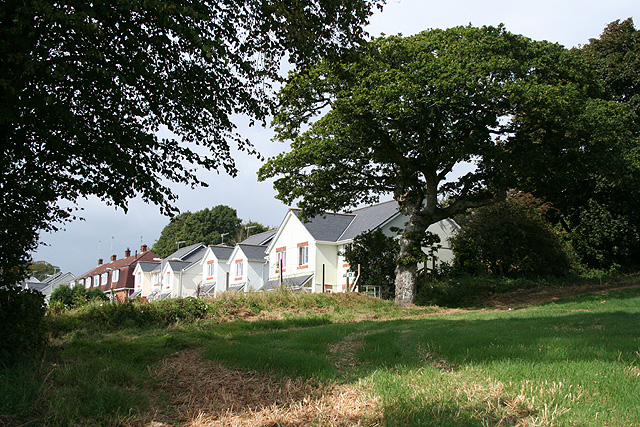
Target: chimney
(113, 258)
(99, 261)
(127, 253)
(143, 248)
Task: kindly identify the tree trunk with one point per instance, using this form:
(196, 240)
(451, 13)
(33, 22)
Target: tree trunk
(410, 254)
(406, 278)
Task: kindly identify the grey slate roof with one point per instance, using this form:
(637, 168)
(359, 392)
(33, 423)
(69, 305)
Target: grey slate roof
(327, 227)
(186, 252)
(369, 218)
(335, 227)
(254, 252)
(135, 294)
(148, 266)
(292, 283)
(221, 252)
(36, 286)
(260, 238)
(204, 289)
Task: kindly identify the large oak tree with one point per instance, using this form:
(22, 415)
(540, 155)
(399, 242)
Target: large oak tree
(85, 86)
(399, 118)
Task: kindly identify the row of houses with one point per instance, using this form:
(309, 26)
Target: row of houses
(299, 255)
(49, 284)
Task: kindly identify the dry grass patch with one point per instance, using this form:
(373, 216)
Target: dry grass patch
(205, 393)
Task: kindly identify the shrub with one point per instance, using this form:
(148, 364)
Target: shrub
(22, 334)
(604, 240)
(376, 254)
(510, 238)
(66, 297)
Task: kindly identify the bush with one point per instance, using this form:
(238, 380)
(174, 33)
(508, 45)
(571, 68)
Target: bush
(510, 238)
(66, 297)
(22, 334)
(604, 240)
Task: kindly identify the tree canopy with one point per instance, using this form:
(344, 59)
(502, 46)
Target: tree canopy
(42, 269)
(205, 226)
(85, 88)
(398, 118)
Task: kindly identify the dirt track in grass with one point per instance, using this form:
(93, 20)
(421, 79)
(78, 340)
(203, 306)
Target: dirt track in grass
(205, 393)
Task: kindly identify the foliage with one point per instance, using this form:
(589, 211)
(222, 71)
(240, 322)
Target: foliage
(120, 99)
(399, 117)
(22, 335)
(67, 297)
(569, 362)
(512, 237)
(604, 240)
(615, 56)
(205, 226)
(41, 269)
(376, 254)
(599, 210)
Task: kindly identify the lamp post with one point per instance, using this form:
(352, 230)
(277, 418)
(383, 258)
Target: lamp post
(181, 241)
(222, 237)
(249, 227)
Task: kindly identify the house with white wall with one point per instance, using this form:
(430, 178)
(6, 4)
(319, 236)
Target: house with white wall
(248, 268)
(181, 272)
(49, 283)
(307, 254)
(215, 270)
(146, 279)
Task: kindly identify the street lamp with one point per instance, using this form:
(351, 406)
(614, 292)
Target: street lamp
(181, 241)
(222, 236)
(249, 227)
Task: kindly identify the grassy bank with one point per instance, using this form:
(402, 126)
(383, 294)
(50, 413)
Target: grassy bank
(340, 360)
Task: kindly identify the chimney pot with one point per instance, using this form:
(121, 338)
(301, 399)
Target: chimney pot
(143, 248)
(99, 261)
(113, 258)
(127, 253)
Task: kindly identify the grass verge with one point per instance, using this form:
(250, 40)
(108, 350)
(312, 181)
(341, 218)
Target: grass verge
(344, 361)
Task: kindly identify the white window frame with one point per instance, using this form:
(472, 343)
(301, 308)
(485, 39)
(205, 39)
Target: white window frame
(115, 276)
(303, 255)
(239, 269)
(210, 268)
(282, 256)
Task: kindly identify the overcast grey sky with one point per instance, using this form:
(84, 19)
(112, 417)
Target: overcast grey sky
(107, 231)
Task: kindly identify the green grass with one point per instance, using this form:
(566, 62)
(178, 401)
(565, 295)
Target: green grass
(571, 362)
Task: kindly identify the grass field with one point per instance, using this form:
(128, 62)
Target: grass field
(346, 361)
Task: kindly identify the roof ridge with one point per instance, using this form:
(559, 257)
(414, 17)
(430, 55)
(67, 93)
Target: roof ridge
(375, 204)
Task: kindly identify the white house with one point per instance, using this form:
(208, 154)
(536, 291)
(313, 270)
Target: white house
(146, 279)
(180, 273)
(248, 268)
(215, 270)
(49, 283)
(307, 255)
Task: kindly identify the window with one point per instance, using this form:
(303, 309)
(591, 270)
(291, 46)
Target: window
(87, 282)
(210, 267)
(303, 255)
(282, 258)
(115, 276)
(96, 280)
(239, 268)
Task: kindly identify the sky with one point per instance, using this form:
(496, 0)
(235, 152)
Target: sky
(105, 230)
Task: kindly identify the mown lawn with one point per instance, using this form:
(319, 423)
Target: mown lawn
(572, 362)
